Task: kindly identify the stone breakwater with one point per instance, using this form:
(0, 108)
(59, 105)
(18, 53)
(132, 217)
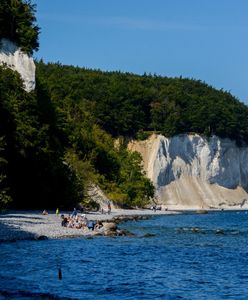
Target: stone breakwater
(34, 226)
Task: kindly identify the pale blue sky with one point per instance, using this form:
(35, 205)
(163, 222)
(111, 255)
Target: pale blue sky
(201, 39)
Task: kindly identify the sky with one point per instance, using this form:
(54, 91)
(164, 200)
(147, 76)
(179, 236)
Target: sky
(201, 39)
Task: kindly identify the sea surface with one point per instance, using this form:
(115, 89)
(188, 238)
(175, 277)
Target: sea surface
(188, 256)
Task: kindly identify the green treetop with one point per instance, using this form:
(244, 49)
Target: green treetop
(17, 23)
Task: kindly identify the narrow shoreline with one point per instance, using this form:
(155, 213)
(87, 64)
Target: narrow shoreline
(32, 225)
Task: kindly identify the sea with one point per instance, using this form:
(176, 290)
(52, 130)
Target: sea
(183, 256)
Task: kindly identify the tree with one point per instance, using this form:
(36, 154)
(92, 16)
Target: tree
(17, 23)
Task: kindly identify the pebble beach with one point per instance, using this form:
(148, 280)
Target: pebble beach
(24, 225)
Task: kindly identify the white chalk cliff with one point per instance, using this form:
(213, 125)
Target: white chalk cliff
(190, 171)
(19, 61)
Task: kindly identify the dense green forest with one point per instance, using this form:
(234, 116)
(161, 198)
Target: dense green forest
(130, 105)
(52, 152)
(71, 132)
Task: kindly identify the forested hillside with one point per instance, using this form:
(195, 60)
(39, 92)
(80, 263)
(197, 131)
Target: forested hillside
(127, 104)
(51, 152)
(70, 133)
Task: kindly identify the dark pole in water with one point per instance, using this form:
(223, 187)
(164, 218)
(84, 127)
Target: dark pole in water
(60, 274)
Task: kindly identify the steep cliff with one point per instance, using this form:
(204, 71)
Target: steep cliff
(190, 171)
(19, 61)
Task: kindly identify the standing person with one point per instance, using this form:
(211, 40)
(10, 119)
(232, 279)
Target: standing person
(74, 213)
(57, 211)
(109, 208)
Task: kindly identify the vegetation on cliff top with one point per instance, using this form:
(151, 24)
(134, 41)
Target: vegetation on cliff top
(17, 23)
(127, 104)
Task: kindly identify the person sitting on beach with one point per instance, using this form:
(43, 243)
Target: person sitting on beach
(91, 225)
(98, 225)
(83, 216)
(45, 212)
(84, 222)
(64, 221)
(70, 223)
(78, 224)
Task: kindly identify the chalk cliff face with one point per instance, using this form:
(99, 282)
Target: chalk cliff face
(190, 171)
(17, 60)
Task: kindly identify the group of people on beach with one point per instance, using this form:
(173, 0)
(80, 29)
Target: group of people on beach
(79, 221)
(108, 209)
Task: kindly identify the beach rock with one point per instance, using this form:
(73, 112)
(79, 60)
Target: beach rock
(195, 230)
(120, 219)
(109, 228)
(219, 231)
(201, 211)
(42, 237)
(148, 235)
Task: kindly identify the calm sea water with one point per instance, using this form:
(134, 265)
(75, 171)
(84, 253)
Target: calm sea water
(172, 257)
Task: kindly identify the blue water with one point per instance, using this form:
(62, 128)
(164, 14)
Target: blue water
(171, 257)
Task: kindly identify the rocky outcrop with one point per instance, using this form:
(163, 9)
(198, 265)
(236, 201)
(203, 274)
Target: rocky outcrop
(190, 171)
(95, 193)
(18, 61)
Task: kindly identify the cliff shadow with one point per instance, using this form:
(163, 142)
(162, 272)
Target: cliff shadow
(10, 233)
(10, 226)
(179, 147)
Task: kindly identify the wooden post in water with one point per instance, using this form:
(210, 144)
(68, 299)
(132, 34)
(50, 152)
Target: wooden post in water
(60, 274)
